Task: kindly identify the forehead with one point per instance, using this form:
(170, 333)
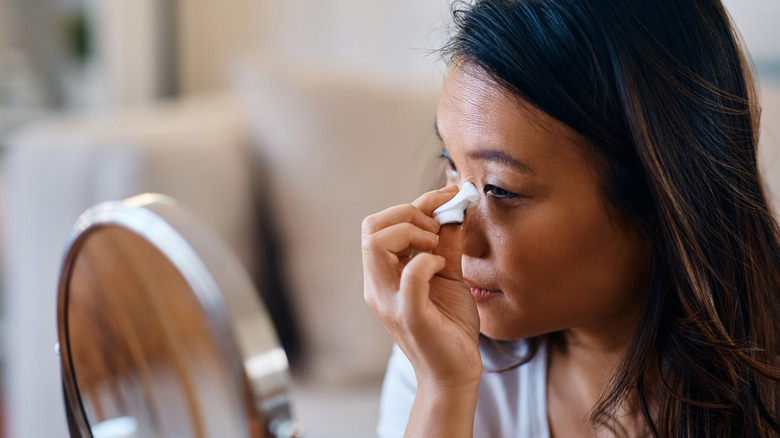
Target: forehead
(476, 113)
(470, 93)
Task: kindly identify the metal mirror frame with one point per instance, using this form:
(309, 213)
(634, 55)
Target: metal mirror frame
(229, 299)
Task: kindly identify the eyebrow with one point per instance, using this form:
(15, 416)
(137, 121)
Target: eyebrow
(492, 155)
(501, 157)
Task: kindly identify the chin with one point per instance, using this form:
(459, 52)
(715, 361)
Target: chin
(498, 333)
(502, 332)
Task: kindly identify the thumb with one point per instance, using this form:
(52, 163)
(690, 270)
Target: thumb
(451, 248)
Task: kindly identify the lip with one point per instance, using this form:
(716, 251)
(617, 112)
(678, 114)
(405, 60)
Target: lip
(480, 293)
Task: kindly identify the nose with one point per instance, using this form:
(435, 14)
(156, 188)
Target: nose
(475, 241)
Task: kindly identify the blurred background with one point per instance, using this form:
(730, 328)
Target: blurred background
(281, 124)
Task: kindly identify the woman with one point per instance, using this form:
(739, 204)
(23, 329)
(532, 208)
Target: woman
(620, 274)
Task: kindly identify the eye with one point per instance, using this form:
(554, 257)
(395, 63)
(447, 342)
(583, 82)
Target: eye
(450, 172)
(498, 192)
(446, 156)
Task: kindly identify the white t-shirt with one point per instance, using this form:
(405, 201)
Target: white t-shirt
(510, 404)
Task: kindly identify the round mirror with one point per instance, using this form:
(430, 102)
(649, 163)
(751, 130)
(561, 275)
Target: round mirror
(162, 333)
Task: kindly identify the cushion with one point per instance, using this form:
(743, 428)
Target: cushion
(336, 148)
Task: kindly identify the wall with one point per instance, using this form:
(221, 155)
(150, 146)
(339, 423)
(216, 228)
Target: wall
(211, 35)
(388, 38)
(384, 39)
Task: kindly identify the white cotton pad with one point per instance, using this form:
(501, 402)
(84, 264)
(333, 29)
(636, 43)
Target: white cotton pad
(451, 212)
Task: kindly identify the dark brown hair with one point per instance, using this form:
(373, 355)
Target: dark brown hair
(663, 94)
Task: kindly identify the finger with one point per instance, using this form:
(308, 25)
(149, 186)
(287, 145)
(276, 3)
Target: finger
(398, 214)
(416, 282)
(385, 252)
(399, 238)
(451, 249)
(432, 200)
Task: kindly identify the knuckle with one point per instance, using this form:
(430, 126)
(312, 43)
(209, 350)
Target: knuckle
(412, 276)
(369, 244)
(408, 228)
(425, 199)
(401, 226)
(368, 224)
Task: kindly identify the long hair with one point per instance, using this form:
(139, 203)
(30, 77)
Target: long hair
(664, 97)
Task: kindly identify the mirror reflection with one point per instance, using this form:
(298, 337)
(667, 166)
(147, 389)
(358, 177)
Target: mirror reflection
(161, 332)
(141, 346)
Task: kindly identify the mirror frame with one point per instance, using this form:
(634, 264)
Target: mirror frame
(233, 308)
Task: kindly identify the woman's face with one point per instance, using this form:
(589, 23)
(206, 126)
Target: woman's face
(543, 250)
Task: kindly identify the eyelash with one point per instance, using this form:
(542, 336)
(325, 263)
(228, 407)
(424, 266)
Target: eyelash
(447, 157)
(498, 192)
(489, 189)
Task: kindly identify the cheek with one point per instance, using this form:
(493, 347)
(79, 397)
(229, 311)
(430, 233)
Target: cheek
(604, 263)
(561, 267)
(532, 247)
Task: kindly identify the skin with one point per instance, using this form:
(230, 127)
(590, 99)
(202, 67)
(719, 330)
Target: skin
(542, 252)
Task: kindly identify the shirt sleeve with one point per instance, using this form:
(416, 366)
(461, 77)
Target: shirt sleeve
(398, 391)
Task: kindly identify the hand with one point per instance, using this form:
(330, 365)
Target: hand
(422, 301)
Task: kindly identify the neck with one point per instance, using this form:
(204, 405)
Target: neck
(581, 367)
(590, 358)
